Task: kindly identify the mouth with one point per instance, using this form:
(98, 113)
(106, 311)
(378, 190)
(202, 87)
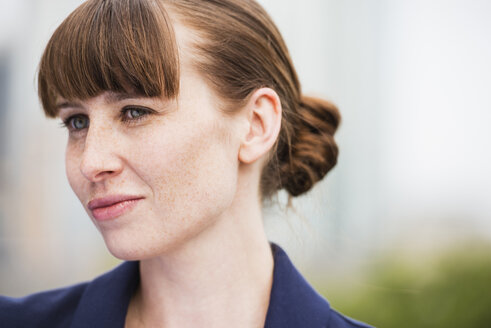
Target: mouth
(111, 207)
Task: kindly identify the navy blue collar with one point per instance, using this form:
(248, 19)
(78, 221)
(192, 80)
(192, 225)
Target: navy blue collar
(106, 299)
(293, 302)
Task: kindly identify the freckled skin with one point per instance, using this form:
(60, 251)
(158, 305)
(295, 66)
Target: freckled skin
(177, 159)
(198, 231)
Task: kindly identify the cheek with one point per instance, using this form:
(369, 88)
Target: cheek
(72, 170)
(191, 166)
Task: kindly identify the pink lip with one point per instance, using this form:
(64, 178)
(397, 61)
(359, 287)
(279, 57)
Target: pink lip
(111, 207)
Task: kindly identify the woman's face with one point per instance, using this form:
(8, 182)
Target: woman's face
(152, 173)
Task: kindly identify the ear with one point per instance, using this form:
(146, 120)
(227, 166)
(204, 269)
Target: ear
(264, 122)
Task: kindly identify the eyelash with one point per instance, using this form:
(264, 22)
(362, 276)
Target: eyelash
(67, 123)
(143, 110)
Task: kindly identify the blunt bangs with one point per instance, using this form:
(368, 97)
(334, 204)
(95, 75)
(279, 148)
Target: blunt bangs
(123, 46)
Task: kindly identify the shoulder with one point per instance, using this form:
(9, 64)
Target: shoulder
(100, 303)
(295, 303)
(337, 320)
(53, 308)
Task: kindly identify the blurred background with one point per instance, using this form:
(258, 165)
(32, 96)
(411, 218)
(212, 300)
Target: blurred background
(398, 234)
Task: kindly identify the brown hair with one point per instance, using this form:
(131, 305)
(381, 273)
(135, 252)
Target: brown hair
(129, 46)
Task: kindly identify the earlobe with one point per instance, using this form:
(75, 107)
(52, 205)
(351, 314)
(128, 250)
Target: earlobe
(264, 123)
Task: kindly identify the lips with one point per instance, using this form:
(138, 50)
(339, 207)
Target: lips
(113, 206)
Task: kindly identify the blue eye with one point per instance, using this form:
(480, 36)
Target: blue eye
(135, 112)
(77, 122)
(132, 114)
(80, 122)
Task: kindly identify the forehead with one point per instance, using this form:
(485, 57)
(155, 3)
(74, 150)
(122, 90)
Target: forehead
(188, 43)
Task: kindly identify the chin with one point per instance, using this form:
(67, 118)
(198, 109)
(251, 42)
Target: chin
(134, 249)
(124, 252)
(127, 249)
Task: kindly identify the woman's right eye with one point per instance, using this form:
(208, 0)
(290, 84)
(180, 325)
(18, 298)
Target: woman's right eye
(76, 122)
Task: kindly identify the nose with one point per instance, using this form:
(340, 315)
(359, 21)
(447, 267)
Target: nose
(100, 159)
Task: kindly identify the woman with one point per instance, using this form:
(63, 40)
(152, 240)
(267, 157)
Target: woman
(183, 116)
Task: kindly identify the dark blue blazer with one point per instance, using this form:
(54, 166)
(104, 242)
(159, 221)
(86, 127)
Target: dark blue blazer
(104, 301)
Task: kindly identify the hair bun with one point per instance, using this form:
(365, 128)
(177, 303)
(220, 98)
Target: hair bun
(313, 151)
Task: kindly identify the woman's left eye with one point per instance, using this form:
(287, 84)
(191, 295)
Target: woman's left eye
(134, 113)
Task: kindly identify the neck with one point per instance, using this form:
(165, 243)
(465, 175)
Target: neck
(221, 278)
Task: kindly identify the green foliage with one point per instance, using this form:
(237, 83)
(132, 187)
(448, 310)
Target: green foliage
(452, 290)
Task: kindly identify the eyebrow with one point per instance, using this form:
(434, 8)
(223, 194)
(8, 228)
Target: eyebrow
(109, 98)
(67, 104)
